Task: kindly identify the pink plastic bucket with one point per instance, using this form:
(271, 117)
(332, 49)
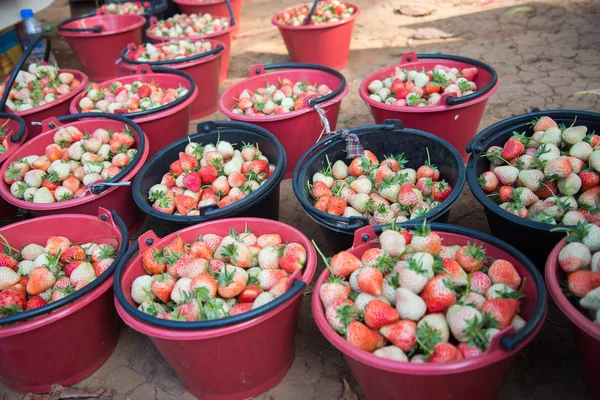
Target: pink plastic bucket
(203, 68)
(587, 334)
(297, 130)
(16, 134)
(224, 37)
(212, 7)
(231, 358)
(165, 124)
(97, 40)
(455, 120)
(65, 341)
(118, 198)
(476, 378)
(325, 44)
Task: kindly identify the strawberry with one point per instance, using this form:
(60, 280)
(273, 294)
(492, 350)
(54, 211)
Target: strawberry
(469, 351)
(232, 280)
(267, 278)
(471, 257)
(582, 282)
(220, 186)
(364, 338)
(56, 245)
(378, 314)
(547, 189)
(187, 162)
(336, 206)
(344, 263)
(8, 277)
(208, 174)
(8, 261)
(270, 239)
(480, 282)
(193, 181)
(200, 249)
(102, 265)
(402, 334)
(162, 286)
(513, 148)
(205, 282)
(488, 181)
(409, 305)
(503, 310)
(72, 253)
(260, 168)
(425, 241)
(153, 261)
(507, 175)
(558, 168)
(213, 241)
(574, 256)
(502, 271)
(249, 294)
(407, 197)
(445, 352)
(382, 173)
(35, 302)
(320, 189)
(40, 279)
(236, 253)
(184, 204)
(544, 123)
(469, 73)
(441, 191)
(175, 168)
(240, 308)
(589, 179)
(13, 299)
(437, 294)
(293, 258)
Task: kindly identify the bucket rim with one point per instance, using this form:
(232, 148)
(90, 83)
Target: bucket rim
(574, 315)
(137, 21)
(195, 59)
(327, 25)
(349, 225)
(215, 35)
(83, 78)
(481, 95)
(214, 328)
(498, 353)
(482, 141)
(274, 117)
(213, 213)
(52, 312)
(139, 158)
(16, 138)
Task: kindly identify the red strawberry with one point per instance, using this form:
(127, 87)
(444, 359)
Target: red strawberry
(102, 265)
(506, 193)
(383, 172)
(370, 280)
(193, 181)
(175, 168)
(13, 299)
(187, 162)
(407, 196)
(201, 249)
(363, 337)
(40, 279)
(208, 174)
(513, 148)
(260, 168)
(240, 308)
(336, 206)
(437, 294)
(428, 171)
(249, 294)
(344, 263)
(184, 204)
(581, 282)
(470, 257)
(293, 258)
(502, 271)
(502, 309)
(469, 73)
(488, 181)
(548, 189)
(162, 286)
(441, 191)
(153, 261)
(402, 334)
(205, 280)
(544, 123)
(166, 203)
(480, 282)
(589, 179)
(35, 302)
(320, 189)
(72, 253)
(445, 352)
(469, 351)
(379, 314)
(8, 261)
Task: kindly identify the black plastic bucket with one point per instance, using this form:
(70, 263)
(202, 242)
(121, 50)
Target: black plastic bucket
(390, 137)
(262, 203)
(534, 239)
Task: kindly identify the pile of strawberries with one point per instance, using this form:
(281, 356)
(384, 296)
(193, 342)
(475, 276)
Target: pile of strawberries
(580, 260)
(549, 177)
(3, 138)
(280, 98)
(411, 298)
(43, 84)
(170, 50)
(70, 165)
(210, 174)
(326, 11)
(37, 275)
(385, 191)
(423, 88)
(215, 277)
(189, 25)
(127, 8)
(131, 97)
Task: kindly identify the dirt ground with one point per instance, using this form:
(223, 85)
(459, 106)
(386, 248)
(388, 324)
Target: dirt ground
(544, 51)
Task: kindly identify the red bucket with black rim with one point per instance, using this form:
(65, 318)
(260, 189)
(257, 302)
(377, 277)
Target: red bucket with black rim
(97, 40)
(454, 119)
(14, 129)
(68, 340)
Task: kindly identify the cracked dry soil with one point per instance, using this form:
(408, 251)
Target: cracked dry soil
(544, 51)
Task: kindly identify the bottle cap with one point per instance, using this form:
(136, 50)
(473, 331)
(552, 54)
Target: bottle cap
(26, 13)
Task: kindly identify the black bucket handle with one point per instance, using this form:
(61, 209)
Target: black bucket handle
(132, 47)
(98, 188)
(104, 215)
(17, 137)
(154, 20)
(310, 13)
(95, 29)
(259, 68)
(509, 342)
(297, 287)
(450, 100)
(19, 65)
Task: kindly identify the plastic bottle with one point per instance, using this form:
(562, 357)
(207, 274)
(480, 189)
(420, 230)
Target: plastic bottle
(30, 29)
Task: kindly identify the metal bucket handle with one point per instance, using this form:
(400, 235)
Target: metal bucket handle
(109, 217)
(95, 29)
(133, 47)
(19, 65)
(98, 188)
(451, 100)
(144, 242)
(506, 340)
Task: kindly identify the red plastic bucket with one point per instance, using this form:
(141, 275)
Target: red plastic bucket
(587, 334)
(455, 120)
(118, 198)
(97, 40)
(212, 7)
(297, 130)
(16, 134)
(203, 68)
(165, 124)
(475, 378)
(231, 358)
(325, 44)
(67, 340)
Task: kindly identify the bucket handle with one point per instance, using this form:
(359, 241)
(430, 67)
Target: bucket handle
(297, 286)
(258, 69)
(476, 145)
(20, 135)
(132, 47)
(111, 218)
(411, 57)
(310, 13)
(230, 9)
(95, 29)
(13, 76)
(101, 187)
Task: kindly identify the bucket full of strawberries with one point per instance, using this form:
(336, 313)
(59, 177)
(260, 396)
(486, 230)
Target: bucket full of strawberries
(206, 292)
(56, 298)
(417, 312)
(438, 93)
(535, 171)
(399, 174)
(80, 162)
(296, 102)
(319, 33)
(213, 7)
(573, 279)
(227, 169)
(13, 132)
